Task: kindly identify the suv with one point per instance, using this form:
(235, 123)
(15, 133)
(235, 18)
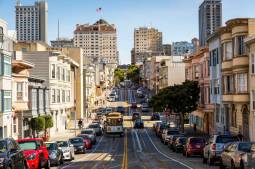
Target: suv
(97, 128)
(35, 152)
(215, 147)
(11, 154)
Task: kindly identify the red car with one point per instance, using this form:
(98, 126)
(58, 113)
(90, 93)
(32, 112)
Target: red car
(86, 140)
(194, 146)
(35, 152)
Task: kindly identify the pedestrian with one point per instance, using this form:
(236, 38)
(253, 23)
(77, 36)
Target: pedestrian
(240, 136)
(195, 128)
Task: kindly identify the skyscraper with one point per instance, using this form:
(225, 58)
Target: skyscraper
(147, 42)
(210, 18)
(32, 21)
(99, 41)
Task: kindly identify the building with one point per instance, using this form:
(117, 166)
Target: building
(210, 18)
(182, 48)
(133, 56)
(99, 42)
(166, 49)
(62, 43)
(197, 69)
(214, 43)
(195, 42)
(147, 42)
(172, 72)
(32, 21)
(250, 43)
(58, 70)
(20, 96)
(6, 51)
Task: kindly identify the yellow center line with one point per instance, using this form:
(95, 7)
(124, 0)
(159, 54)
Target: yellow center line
(125, 153)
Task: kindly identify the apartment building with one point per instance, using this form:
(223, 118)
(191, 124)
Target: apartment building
(32, 21)
(172, 71)
(99, 42)
(182, 48)
(62, 43)
(197, 69)
(147, 42)
(6, 51)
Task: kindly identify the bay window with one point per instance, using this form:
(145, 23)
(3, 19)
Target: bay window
(239, 45)
(228, 84)
(53, 71)
(253, 99)
(63, 96)
(7, 68)
(19, 90)
(7, 100)
(241, 83)
(252, 64)
(1, 34)
(227, 51)
(58, 96)
(53, 96)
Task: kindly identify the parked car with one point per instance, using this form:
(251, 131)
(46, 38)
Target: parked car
(120, 109)
(155, 117)
(97, 128)
(67, 149)
(138, 124)
(172, 140)
(167, 133)
(55, 153)
(155, 125)
(108, 110)
(136, 115)
(12, 156)
(215, 146)
(79, 146)
(35, 151)
(145, 107)
(238, 155)
(86, 140)
(194, 146)
(133, 105)
(91, 133)
(179, 144)
(160, 129)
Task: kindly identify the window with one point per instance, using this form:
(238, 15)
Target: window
(7, 66)
(253, 99)
(228, 84)
(58, 73)
(68, 76)
(216, 87)
(240, 47)
(58, 96)
(53, 71)
(53, 96)
(19, 91)
(241, 83)
(7, 101)
(68, 96)
(63, 96)
(227, 51)
(1, 34)
(252, 63)
(233, 116)
(217, 113)
(14, 125)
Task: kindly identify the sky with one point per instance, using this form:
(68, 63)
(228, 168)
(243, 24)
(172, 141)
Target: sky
(177, 19)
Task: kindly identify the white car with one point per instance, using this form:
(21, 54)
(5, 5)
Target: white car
(67, 149)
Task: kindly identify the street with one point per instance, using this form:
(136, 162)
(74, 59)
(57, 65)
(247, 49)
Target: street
(138, 149)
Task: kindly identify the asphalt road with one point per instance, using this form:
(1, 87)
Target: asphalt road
(137, 149)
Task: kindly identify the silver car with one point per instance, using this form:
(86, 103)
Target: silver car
(215, 146)
(67, 149)
(239, 155)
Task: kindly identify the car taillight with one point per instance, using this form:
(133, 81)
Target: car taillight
(213, 147)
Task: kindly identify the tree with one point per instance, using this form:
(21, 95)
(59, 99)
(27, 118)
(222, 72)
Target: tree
(48, 123)
(179, 99)
(133, 73)
(37, 124)
(119, 75)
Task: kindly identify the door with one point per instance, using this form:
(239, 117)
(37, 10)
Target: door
(245, 113)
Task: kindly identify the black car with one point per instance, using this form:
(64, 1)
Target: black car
(179, 144)
(138, 124)
(11, 155)
(120, 109)
(79, 146)
(55, 153)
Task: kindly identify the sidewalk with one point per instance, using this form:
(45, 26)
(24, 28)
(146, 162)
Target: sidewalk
(63, 135)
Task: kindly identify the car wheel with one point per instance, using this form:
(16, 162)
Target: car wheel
(61, 160)
(241, 165)
(39, 165)
(47, 165)
(73, 156)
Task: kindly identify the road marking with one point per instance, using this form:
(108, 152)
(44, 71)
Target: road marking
(82, 158)
(125, 153)
(138, 142)
(185, 165)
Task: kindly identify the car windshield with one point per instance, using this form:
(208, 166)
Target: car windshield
(3, 147)
(29, 145)
(87, 132)
(182, 140)
(226, 139)
(196, 140)
(76, 140)
(51, 146)
(245, 147)
(62, 144)
(84, 136)
(93, 126)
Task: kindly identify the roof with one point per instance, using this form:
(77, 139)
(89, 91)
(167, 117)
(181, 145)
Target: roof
(101, 21)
